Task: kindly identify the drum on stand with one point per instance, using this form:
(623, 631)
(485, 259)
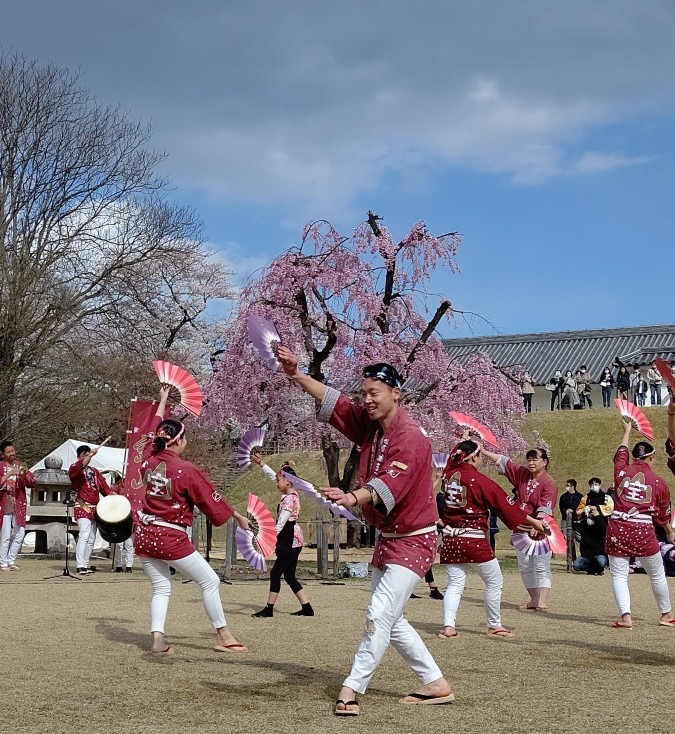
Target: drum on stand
(114, 519)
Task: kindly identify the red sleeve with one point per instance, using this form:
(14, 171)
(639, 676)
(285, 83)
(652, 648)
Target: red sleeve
(347, 417)
(621, 461)
(76, 472)
(547, 496)
(28, 479)
(509, 514)
(103, 486)
(206, 497)
(515, 473)
(662, 516)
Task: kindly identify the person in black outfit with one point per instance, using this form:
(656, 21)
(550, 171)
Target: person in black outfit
(569, 500)
(289, 544)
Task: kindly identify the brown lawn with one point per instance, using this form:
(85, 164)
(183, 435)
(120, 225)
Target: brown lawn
(74, 658)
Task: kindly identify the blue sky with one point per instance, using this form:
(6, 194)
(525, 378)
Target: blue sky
(541, 131)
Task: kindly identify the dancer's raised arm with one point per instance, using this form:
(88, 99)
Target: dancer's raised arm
(289, 363)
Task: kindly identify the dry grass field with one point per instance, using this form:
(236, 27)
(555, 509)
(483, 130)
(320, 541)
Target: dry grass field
(74, 657)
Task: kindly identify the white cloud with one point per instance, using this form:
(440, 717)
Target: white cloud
(281, 102)
(596, 161)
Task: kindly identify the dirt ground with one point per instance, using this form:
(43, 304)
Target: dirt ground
(74, 657)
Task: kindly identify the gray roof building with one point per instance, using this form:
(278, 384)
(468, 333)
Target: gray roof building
(543, 354)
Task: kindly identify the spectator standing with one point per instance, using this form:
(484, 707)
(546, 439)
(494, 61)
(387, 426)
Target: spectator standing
(570, 391)
(584, 387)
(642, 390)
(607, 384)
(569, 500)
(622, 383)
(634, 377)
(527, 391)
(555, 387)
(654, 379)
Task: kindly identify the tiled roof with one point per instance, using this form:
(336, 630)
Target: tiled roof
(543, 354)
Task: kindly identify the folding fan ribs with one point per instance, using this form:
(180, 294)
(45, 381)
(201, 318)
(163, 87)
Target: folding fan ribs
(636, 417)
(308, 488)
(264, 526)
(466, 421)
(438, 461)
(526, 544)
(191, 397)
(265, 338)
(249, 549)
(556, 539)
(253, 438)
(666, 373)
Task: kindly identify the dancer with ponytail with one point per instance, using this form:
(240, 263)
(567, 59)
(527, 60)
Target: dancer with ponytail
(468, 498)
(173, 487)
(641, 500)
(535, 492)
(289, 543)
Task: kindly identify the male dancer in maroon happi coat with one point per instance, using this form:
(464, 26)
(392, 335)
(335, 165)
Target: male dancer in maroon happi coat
(396, 495)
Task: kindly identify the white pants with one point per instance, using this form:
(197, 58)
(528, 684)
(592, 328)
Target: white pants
(491, 574)
(125, 551)
(11, 539)
(195, 568)
(384, 624)
(85, 542)
(535, 571)
(653, 565)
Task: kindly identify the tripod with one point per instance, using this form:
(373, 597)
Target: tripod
(68, 502)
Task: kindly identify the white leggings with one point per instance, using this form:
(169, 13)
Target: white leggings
(653, 565)
(125, 551)
(11, 539)
(85, 542)
(535, 571)
(491, 574)
(195, 568)
(385, 623)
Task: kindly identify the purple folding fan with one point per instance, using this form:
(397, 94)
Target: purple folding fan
(265, 338)
(248, 547)
(438, 461)
(308, 488)
(526, 544)
(251, 439)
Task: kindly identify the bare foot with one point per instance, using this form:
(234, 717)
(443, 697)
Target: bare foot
(346, 704)
(438, 691)
(626, 622)
(226, 642)
(667, 620)
(500, 632)
(448, 632)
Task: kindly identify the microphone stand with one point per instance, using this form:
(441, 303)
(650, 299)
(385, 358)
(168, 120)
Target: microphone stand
(68, 502)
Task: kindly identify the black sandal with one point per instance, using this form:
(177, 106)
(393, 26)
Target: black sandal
(345, 711)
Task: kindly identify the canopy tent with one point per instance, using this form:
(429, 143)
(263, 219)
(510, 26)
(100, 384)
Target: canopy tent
(105, 460)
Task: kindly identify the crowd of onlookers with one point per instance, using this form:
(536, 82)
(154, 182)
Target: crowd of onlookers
(584, 524)
(641, 385)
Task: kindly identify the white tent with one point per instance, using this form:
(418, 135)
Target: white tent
(105, 460)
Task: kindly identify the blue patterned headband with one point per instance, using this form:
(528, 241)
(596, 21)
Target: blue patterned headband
(384, 373)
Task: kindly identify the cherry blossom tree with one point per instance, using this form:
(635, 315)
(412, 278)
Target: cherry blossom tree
(344, 302)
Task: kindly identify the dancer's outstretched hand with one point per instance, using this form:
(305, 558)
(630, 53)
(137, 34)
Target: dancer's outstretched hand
(288, 360)
(335, 494)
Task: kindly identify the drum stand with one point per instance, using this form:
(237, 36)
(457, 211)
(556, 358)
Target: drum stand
(68, 502)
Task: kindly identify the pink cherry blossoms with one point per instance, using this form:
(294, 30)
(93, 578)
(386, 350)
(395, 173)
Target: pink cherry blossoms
(340, 303)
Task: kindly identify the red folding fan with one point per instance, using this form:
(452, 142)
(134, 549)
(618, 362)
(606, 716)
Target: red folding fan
(636, 417)
(556, 539)
(264, 527)
(466, 421)
(665, 371)
(191, 397)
